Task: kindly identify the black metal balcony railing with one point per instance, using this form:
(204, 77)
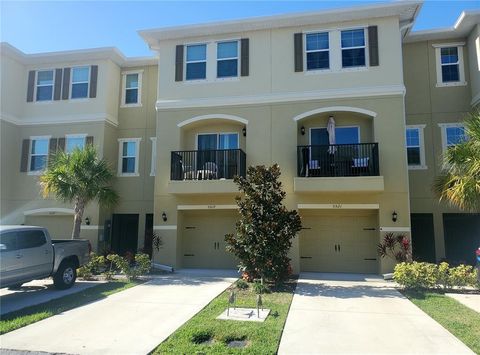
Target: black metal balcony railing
(207, 164)
(338, 160)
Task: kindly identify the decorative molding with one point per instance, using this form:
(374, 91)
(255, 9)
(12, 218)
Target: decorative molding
(71, 119)
(84, 226)
(206, 207)
(373, 91)
(395, 229)
(335, 108)
(213, 116)
(165, 227)
(338, 206)
(452, 44)
(49, 211)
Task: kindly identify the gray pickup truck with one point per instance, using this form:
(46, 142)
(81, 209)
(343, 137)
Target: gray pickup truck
(28, 253)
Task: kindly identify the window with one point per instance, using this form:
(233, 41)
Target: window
(449, 64)
(30, 239)
(227, 59)
(132, 83)
(73, 141)
(44, 85)
(128, 156)
(196, 62)
(153, 163)
(8, 241)
(353, 48)
(415, 147)
(213, 141)
(80, 82)
(38, 153)
(317, 51)
(343, 135)
(452, 134)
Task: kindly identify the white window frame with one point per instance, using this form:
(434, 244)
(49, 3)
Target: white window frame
(230, 58)
(421, 141)
(365, 47)
(36, 85)
(139, 88)
(195, 61)
(461, 66)
(305, 34)
(218, 140)
(80, 82)
(81, 135)
(120, 156)
(34, 138)
(153, 162)
(443, 127)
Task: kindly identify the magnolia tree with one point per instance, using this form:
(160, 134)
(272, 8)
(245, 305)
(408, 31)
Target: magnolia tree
(265, 230)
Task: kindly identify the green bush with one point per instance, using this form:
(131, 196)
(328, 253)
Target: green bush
(418, 275)
(94, 267)
(241, 284)
(141, 266)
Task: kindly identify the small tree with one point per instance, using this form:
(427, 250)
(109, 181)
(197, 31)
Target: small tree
(396, 247)
(265, 230)
(79, 177)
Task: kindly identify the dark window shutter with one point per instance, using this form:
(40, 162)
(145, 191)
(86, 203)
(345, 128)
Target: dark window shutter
(30, 85)
(179, 63)
(373, 45)
(298, 48)
(24, 157)
(52, 147)
(57, 89)
(93, 81)
(89, 140)
(61, 143)
(245, 56)
(66, 84)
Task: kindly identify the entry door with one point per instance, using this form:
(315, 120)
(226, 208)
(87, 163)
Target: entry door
(423, 237)
(125, 233)
(462, 237)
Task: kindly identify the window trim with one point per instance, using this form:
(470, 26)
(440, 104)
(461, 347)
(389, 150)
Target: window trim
(186, 45)
(438, 63)
(36, 85)
(421, 139)
(139, 88)
(153, 161)
(365, 48)
(443, 128)
(305, 52)
(32, 138)
(75, 135)
(217, 78)
(81, 82)
(120, 156)
(217, 133)
(336, 126)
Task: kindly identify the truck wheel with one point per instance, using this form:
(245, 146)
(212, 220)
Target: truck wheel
(65, 276)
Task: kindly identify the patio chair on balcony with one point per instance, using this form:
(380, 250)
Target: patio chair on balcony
(360, 166)
(209, 171)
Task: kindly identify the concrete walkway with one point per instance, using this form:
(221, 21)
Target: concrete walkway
(134, 321)
(467, 299)
(360, 314)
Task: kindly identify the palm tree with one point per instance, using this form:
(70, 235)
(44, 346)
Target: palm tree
(459, 182)
(79, 177)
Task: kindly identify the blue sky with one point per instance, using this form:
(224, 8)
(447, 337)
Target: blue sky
(43, 26)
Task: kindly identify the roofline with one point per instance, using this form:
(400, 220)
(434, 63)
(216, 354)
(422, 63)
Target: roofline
(152, 36)
(111, 53)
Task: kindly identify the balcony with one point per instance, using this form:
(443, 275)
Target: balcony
(206, 171)
(338, 168)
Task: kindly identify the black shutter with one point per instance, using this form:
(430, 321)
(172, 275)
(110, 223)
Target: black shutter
(30, 85)
(24, 156)
(66, 84)
(93, 81)
(244, 57)
(61, 143)
(179, 63)
(373, 45)
(298, 48)
(57, 89)
(89, 140)
(52, 147)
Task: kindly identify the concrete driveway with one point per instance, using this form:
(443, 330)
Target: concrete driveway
(360, 314)
(134, 321)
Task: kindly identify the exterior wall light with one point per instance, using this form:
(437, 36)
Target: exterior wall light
(394, 216)
(302, 131)
(244, 131)
(87, 221)
(164, 216)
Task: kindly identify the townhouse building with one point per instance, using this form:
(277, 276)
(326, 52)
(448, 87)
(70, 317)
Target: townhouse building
(354, 107)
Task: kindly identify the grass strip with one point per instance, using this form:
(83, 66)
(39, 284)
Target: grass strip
(32, 314)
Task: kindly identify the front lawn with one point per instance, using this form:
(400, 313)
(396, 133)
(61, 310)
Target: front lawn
(32, 314)
(458, 319)
(261, 338)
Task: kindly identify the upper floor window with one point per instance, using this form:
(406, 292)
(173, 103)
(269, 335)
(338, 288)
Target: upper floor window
(317, 51)
(449, 64)
(353, 48)
(213, 141)
(128, 156)
(44, 85)
(452, 134)
(38, 153)
(196, 62)
(73, 141)
(227, 59)
(415, 147)
(132, 83)
(80, 82)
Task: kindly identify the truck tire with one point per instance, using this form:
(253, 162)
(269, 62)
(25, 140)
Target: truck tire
(65, 276)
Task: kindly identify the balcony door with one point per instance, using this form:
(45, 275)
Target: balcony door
(215, 148)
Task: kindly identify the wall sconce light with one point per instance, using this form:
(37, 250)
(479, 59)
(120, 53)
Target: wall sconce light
(302, 130)
(394, 216)
(164, 216)
(244, 131)
(87, 221)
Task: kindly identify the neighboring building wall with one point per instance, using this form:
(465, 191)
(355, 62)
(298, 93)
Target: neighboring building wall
(473, 47)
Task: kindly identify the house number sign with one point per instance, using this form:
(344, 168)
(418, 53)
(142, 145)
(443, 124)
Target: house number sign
(211, 206)
(337, 205)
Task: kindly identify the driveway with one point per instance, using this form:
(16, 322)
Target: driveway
(360, 314)
(134, 321)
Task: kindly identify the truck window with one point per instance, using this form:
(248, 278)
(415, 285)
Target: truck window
(8, 241)
(30, 239)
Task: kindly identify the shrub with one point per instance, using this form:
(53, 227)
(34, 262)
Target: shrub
(396, 247)
(94, 267)
(241, 284)
(260, 288)
(141, 266)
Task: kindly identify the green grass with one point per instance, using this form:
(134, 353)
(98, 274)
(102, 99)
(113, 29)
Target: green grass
(32, 314)
(458, 319)
(263, 338)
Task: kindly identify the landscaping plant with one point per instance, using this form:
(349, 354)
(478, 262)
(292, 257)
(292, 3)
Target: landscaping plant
(265, 229)
(397, 247)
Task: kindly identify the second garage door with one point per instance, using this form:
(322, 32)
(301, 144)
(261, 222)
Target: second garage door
(339, 243)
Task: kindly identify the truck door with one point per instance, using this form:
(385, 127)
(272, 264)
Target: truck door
(37, 253)
(10, 259)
